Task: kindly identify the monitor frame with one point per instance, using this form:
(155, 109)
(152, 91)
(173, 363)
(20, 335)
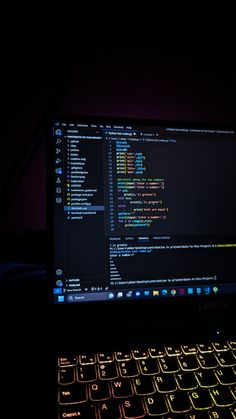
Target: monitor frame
(134, 312)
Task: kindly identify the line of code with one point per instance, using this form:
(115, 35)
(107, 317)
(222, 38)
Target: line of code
(139, 197)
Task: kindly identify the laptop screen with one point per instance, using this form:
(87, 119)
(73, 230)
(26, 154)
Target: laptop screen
(142, 210)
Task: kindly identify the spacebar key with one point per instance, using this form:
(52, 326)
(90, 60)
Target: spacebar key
(85, 410)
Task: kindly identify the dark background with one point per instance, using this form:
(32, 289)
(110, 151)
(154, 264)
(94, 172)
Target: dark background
(162, 71)
(156, 71)
(159, 70)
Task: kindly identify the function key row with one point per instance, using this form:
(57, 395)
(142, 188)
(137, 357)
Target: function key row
(149, 367)
(153, 352)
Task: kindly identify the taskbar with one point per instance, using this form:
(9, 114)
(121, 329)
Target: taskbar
(131, 294)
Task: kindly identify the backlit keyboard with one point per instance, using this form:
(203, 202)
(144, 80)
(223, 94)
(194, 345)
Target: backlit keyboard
(188, 381)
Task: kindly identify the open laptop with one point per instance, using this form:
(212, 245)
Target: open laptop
(143, 268)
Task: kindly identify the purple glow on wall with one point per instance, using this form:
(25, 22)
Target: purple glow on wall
(130, 79)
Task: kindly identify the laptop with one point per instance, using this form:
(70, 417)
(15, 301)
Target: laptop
(142, 269)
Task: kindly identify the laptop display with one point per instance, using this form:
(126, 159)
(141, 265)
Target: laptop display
(142, 269)
(142, 211)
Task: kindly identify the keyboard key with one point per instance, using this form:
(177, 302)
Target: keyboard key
(156, 352)
(233, 390)
(226, 376)
(143, 385)
(105, 357)
(68, 361)
(197, 415)
(109, 409)
(133, 408)
(169, 364)
(121, 388)
(156, 405)
(128, 368)
(233, 412)
(179, 402)
(201, 399)
(139, 354)
(165, 383)
(205, 348)
(225, 359)
(87, 359)
(189, 349)
(148, 366)
(107, 371)
(222, 396)
(86, 373)
(99, 391)
(207, 360)
(173, 351)
(66, 375)
(232, 344)
(122, 356)
(186, 381)
(206, 378)
(85, 410)
(221, 414)
(188, 362)
(220, 346)
(73, 393)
